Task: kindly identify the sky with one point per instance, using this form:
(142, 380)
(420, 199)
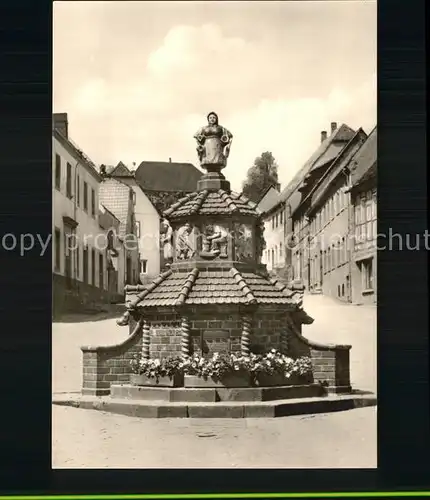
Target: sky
(137, 79)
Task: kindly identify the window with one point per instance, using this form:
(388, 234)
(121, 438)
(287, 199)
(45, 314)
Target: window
(58, 172)
(57, 262)
(101, 271)
(133, 197)
(273, 258)
(357, 214)
(367, 270)
(110, 241)
(343, 290)
(69, 181)
(85, 196)
(93, 266)
(281, 217)
(85, 266)
(78, 191)
(137, 226)
(280, 249)
(68, 254)
(78, 262)
(345, 250)
(335, 256)
(93, 203)
(329, 259)
(143, 266)
(273, 222)
(369, 210)
(363, 208)
(277, 220)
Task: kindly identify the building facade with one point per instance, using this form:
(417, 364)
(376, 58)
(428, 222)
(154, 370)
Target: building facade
(329, 219)
(321, 223)
(292, 264)
(119, 199)
(363, 195)
(78, 265)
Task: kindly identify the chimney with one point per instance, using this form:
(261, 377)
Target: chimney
(61, 123)
(333, 126)
(170, 160)
(323, 136)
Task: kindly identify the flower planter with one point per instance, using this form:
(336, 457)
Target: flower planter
(229, 381)
(266, 380)
(175, 381)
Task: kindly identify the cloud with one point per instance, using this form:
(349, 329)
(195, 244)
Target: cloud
(275, 93)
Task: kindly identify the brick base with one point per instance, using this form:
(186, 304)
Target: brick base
(331, 365)
(214, 329)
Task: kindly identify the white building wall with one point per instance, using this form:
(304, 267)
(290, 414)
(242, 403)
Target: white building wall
(88, 226)
(274, 235)
(149, 225)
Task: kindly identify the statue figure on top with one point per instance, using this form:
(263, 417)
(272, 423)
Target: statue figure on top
(213, 143)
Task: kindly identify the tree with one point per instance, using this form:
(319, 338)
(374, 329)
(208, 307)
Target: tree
(263, 174)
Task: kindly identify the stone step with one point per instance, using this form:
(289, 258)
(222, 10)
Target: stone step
(231, 409)
(213, 395)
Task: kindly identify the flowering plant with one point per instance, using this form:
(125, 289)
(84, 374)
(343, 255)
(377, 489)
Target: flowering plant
(219, 365)
(254, 364)
(156, 368)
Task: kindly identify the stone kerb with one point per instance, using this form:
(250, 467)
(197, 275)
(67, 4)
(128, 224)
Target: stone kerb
(331, 362)
(106, 365)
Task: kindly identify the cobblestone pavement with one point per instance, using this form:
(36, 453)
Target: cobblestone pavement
(92, 439)
(85, 438)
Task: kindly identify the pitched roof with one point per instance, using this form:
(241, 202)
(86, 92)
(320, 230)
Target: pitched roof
(167, 176)
(175, 288)
(76, 151)
(365, 159)
(326, 152)
(342, 159)
(269, 199)
(212, 203)
(115, 196)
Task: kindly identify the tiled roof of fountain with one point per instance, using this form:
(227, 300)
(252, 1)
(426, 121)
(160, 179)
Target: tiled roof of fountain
(207, 202)
(176, 288)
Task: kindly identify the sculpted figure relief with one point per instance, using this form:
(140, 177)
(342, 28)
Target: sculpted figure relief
(214, 242)
(184, 244)
(166, 240)
(213, 143)
(243, 242)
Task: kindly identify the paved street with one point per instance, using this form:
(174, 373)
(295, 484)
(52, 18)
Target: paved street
(340, 323)
(92, 439)
(85, 438)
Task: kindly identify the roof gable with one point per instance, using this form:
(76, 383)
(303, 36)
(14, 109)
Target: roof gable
(120, 171)
(269, 199)
(326, 150)
(365, 158)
